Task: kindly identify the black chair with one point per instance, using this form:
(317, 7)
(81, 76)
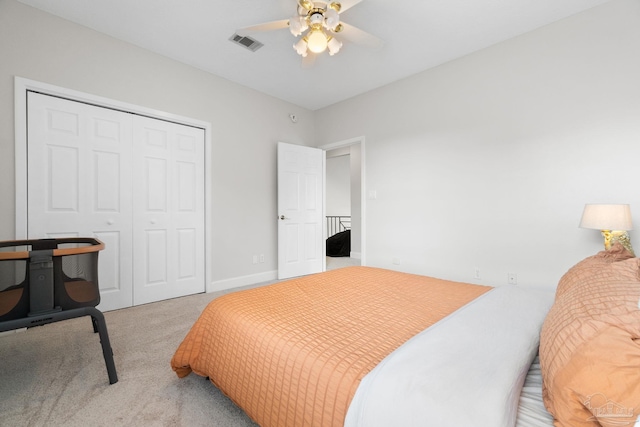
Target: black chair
(57, 279)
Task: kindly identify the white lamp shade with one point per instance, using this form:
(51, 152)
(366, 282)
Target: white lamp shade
(607, 217)
(334, 46)
(297, 25)
(331, 19)
(301, 47)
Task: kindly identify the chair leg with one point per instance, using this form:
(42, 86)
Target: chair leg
(94, 322)
(101, 325)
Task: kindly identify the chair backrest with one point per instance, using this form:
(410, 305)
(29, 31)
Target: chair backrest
(76, 282)
(14, 289)
(55, 275)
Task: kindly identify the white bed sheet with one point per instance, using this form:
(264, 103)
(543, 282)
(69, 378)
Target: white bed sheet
(466, 370)
(531, 410)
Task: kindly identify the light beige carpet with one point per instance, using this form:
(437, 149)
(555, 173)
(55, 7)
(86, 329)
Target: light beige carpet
(341, 262)
(55, 375)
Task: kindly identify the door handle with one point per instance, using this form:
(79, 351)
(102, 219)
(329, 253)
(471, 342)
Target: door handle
(283, 217)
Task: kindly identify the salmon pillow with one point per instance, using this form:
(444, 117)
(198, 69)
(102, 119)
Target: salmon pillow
(589, 354)
(602, 266)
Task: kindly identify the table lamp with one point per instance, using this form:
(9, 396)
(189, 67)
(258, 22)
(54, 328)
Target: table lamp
(612, 220)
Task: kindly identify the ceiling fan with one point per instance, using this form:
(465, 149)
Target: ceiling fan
(319, 27)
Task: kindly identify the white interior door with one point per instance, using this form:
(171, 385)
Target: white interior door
(169, 205)
(300, 210)
(79, 173)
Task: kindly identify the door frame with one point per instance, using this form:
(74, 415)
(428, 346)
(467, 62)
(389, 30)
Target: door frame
(22, 86)
(360, 140)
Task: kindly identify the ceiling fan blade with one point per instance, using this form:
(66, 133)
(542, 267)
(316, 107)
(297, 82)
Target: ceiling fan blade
(358, 36)
(347, 4)
(267, 26)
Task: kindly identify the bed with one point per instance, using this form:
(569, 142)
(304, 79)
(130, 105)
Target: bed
(363, 346)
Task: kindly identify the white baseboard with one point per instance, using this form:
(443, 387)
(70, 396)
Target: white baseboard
(237, 282)
(356, 255)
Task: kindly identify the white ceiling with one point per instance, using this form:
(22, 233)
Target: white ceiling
(417, 35)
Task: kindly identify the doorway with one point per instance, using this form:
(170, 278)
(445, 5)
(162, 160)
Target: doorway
(354, 149)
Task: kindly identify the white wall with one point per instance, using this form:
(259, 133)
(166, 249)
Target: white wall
(355, 164)
(338, 181)
(246, 125)
(483, 162)
(487, 161)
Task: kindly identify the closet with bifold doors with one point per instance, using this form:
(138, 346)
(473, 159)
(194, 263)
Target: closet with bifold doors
(134, 182)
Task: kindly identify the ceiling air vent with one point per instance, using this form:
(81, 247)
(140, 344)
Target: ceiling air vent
(248, 42)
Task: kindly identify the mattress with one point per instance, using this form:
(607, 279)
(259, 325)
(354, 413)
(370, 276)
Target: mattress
(294, 353)
(466, 370)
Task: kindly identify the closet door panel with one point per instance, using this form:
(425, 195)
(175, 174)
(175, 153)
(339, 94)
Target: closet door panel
(169, 202)
(79, 174)
(110, 269)
(106, 194)
(63, 179)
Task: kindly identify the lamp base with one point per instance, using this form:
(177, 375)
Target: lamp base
(612, 236)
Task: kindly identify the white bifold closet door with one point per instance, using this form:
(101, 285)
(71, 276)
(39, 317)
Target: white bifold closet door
(134, 182)
(168, 208)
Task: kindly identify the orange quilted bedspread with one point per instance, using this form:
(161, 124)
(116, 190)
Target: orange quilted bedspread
(293, 353)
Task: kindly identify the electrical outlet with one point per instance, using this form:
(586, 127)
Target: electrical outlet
(476, 274)
(255, 259)
(261, 257)
(512, 278)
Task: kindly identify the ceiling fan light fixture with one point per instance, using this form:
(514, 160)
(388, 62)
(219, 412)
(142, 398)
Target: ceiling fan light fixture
(316, 23)
(334, 46)
(297, 25)
(316, 18)
(301, 47)
(306, 4)
(317, 41)
(331, 19)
